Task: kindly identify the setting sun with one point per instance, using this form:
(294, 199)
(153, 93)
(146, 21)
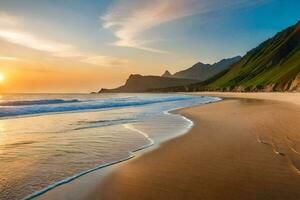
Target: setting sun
(2, 77)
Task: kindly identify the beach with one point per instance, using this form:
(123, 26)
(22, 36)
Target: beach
(245, 147)
(51, 139)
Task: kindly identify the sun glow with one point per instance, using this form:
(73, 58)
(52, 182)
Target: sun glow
(2, 77)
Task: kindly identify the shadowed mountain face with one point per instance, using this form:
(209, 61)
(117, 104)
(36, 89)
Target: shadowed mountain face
(202, 72)
(195, 74)
(139, 83)
(272, 66)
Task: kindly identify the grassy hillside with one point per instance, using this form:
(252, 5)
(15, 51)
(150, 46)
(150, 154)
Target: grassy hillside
(273, 65)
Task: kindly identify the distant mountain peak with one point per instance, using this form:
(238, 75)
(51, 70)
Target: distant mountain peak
(201, 71)
(236, 58)
(167, 74)
(199, 65)
(134, 76)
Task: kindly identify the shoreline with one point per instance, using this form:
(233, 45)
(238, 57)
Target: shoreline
(133, 154)
(117, 168)
(286, 97)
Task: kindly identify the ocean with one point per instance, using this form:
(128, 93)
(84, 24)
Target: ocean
(50, 139)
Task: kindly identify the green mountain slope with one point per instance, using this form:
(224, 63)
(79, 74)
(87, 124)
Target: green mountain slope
(273, 65)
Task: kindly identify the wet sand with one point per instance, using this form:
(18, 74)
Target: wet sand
(287, 97)
(237, 149)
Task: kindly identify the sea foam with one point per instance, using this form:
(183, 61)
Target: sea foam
(19, 108)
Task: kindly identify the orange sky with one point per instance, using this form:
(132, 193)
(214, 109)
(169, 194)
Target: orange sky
(35, 77)
(28, 70)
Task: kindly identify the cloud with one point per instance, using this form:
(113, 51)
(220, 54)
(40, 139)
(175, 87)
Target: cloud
(106, 61)
(8, 58)
(34, 42)
(12, 30)
(128, 19)
(9, 20)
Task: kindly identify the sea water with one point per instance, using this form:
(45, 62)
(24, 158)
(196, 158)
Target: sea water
(50, 139)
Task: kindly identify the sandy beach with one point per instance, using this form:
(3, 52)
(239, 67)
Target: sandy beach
(245, 147)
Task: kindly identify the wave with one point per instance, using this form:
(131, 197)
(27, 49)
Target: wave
(101, 123)
(69, 179)
(43, 106)
(72, 178)
(37, 102)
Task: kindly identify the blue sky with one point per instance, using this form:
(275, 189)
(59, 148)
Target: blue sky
(136, 36)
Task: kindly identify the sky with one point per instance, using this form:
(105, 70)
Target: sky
(86, 45)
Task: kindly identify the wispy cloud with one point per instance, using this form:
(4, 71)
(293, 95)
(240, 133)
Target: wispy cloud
(106, 61)
(12, 30)
(128, 19)
(9, 20)
(34, 42)
(8, 58)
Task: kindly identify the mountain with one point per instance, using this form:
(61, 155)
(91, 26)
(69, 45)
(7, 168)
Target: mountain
(202, 72)
(167, 74)
(272, 66)
(139, 83)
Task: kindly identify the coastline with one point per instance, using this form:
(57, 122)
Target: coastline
(286, 97)
(139, 182)
(105, 168)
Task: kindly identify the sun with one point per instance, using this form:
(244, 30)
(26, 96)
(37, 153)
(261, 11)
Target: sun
(2, 77)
